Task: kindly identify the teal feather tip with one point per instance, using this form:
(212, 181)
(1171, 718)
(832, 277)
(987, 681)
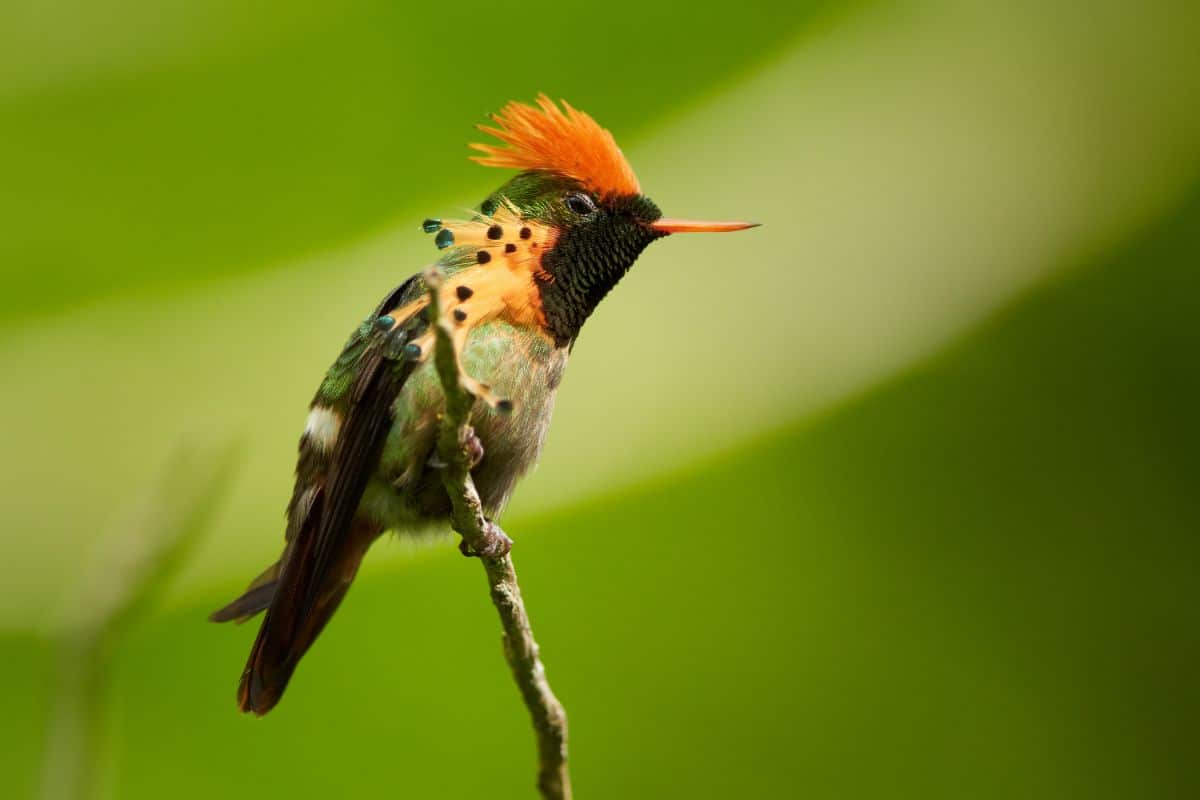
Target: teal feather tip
(431, 225)
(444, 239)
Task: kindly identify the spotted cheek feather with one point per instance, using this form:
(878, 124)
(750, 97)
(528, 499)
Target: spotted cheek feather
(493, 269)
(502, 237)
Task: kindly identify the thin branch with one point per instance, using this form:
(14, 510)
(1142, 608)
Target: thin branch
(483, 538)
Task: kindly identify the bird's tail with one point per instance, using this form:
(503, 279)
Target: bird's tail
(273, 660)
(255, 599)
(290, 625)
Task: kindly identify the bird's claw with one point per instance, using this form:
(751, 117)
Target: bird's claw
(473, 447)
(471, 444)
(496, 543)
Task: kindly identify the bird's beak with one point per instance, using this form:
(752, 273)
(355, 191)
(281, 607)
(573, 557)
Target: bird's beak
(667, 225)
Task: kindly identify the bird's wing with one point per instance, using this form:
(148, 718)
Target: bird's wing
(350, 418)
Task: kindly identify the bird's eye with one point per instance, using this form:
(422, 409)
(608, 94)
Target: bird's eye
(579, 203)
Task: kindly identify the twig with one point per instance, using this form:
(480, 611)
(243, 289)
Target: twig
(483, 538)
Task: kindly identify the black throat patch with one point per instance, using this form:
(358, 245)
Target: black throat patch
(588, 260)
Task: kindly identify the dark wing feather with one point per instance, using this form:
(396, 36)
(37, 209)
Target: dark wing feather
(325, 540)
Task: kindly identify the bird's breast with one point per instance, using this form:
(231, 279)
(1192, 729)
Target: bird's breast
(519, 363)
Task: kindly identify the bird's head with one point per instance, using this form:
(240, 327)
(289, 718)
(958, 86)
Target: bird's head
(576, 202)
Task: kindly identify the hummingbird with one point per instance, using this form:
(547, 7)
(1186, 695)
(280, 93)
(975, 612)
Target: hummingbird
(522, 275)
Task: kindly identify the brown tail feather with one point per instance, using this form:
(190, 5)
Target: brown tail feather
(248, 606)
(285, 637)
(255, 599)
(267, 671)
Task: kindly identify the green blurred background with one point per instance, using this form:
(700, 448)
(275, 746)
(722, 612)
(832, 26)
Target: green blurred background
(901, 499)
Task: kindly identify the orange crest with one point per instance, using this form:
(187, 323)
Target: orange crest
(567, 142)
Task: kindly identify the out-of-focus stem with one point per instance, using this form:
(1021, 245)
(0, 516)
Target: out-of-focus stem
(121, 583)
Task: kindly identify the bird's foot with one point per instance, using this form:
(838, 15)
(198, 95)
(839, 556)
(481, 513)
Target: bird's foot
(471, 444)
(495, 544)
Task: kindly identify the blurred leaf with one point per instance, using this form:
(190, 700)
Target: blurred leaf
(128, 575)
(137, 560)
(27, 671)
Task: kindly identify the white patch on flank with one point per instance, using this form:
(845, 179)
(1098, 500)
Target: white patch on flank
(322, 427)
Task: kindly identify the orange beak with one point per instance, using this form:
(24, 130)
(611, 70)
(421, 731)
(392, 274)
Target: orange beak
(667, 225)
